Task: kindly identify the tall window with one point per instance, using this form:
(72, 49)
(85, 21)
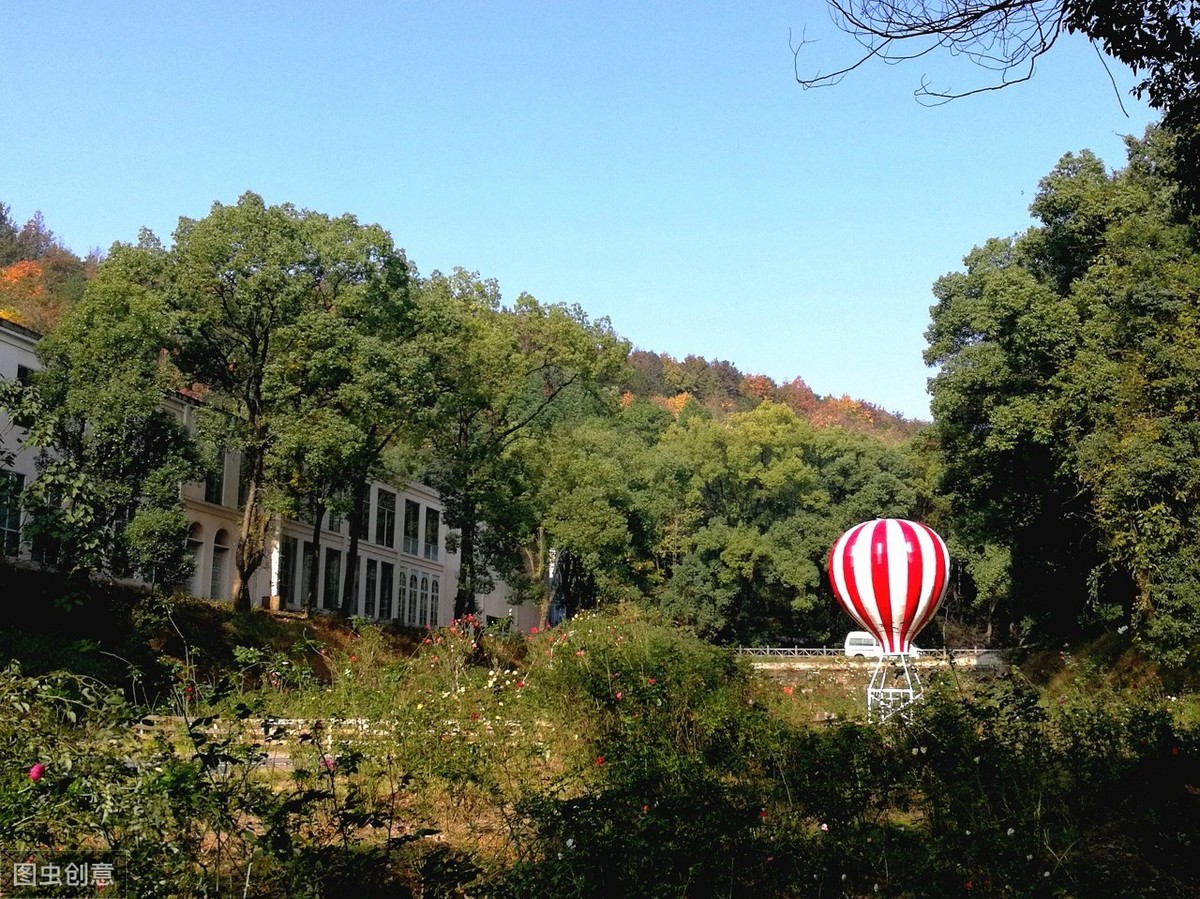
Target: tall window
(360, 515)
(216, 584)
(412, 600)
(285, 586)
(308, 570)
(412, 525)
(387, 572)
(432, 520)
(424, 600)
(372, 580)
(385, 519)
(195, 540)
(402, 599)
(214, 483)
(11, 485)
(333, 576)
(434, 599)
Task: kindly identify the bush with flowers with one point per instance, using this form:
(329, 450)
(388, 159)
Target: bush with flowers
(614, 754)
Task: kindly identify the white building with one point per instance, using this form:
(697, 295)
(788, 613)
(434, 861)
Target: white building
(404, 572)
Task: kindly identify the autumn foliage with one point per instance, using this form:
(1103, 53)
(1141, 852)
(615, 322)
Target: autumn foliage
(721, 390)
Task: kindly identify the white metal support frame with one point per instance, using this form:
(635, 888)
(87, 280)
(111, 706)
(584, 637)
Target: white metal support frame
(894, 687)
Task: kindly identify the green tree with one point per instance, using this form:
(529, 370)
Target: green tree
(106, 499)
(355, 382)
(235, 286)
(757, 501)
(503, 373)
(1064, 403)
(10, 247)
(597, 511)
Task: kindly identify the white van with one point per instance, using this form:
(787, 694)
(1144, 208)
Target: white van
(864, 645)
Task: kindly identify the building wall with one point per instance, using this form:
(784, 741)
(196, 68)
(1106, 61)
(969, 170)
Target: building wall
(404, 572)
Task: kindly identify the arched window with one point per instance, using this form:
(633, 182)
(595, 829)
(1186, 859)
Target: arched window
(402, 598)
(195, 542)
(216, 586)
(433, 603)
(424, 600)
(412, 600)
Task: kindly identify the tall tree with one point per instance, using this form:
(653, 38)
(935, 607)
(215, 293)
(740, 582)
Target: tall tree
(502, 373)
(10, 247)
(356, 382)
(1064, 404)
(106, 499)
(236, 285)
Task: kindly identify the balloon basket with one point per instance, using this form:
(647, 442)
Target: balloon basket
(893, 688)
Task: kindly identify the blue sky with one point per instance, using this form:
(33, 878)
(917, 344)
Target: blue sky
(655, 163)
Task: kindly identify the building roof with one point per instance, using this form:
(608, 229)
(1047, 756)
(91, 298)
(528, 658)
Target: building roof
(8, 323)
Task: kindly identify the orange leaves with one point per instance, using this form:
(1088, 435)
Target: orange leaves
(24, 297)
(22, 278)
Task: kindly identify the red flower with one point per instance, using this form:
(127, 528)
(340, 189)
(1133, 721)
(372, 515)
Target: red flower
(599, 760)
(533, 630)
(36, 772)
(520, 685)
(787, 690)
(353, 658)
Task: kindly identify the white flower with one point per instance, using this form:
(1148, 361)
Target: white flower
(1011, 831)
(570, 842)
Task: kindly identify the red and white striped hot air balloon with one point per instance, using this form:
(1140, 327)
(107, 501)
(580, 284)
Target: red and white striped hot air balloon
(890, 576)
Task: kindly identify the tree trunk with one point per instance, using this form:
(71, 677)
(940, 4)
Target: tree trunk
(251, 545)
(357, 517)
(464, 597)
(310, 586)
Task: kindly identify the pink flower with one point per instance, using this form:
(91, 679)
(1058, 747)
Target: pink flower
(36, 772)
(825, 828)
(533, 631)
(619, 694)
(353, 658)
(787, 690)
(328, 764)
